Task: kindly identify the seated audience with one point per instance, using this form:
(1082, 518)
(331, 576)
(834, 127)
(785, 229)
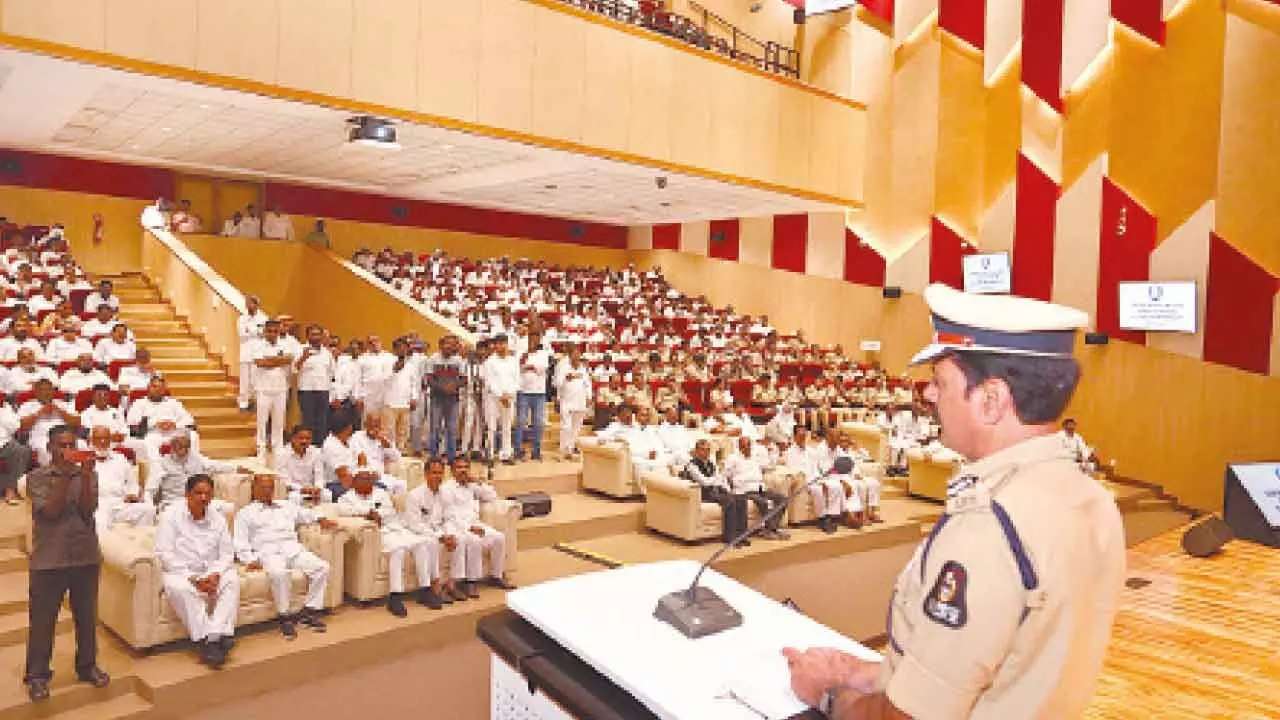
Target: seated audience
(744, 474)
(168, 473)
(374, 449)
(42, 413)
(701, 470)
(120, 498)
(158, 418)
(104, 296)
(301, 468)
(479, 541)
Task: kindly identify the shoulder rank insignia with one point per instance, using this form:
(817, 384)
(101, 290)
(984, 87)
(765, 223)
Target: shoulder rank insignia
(945, 603)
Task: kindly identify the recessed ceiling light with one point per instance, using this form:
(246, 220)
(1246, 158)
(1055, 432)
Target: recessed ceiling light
(205, 106)
(136, 147)
(165, 129)
(446, 146)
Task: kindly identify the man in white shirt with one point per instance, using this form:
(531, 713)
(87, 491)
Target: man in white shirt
(101, 413)
(745, 476)
(117, 347)
(46, 301)
(250, 225)
(119, 495)
(167, 474)
(346, 384)
(462, 513)
(648, 454)
(676, 438)
(404, 390)
(104, 296)
(160, 418)
(138, 375)
(271, 363)
(200, 580)
(231, 226)
(426, 512)
(375, 374)
(813, 462)
(781, 427)
(23, 376)
(41, 414)
(266, 538)
(84, 376)
(67, 346)
(373, 448)
(249, 328)
(501, 375)
(901, 427)
(277, 225)
(573, 388)
(301, 467)
(15, 455)
(372, 503)
(18, 339)
(531, 398)
(100, 324)
(315, 367)
(623, 424)
(1075, 444)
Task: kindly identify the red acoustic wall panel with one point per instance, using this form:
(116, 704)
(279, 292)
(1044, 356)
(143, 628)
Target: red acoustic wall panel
(862, 264)
(1124, 253)
(966, 19)
(790, 242)
(1144, 17)
(946, 248)
(723, 243)
(56, 172)
(1042, 49)
(666, 237)
(1238, 310)
(1033, 231)
(363, 207)
(882, 9)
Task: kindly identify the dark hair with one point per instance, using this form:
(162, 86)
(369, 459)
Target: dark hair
(435, 460)
(341, 420)
(1041, 386)
(57, 430)
(293, 431)
(196, 479)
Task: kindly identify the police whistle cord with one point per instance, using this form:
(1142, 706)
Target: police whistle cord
(592, 557)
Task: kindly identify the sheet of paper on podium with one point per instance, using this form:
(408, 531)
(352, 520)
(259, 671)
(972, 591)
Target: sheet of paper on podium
(606, 619)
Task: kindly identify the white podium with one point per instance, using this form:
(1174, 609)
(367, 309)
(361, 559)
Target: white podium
(602, 623)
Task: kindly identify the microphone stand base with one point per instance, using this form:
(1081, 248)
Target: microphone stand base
(705, 613)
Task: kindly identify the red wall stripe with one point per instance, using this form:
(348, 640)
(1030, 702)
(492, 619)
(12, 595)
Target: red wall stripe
(1145, 17)
(1128, 236)
(722, 242)
(946, 247)
(362, 207)
(1033, 231)
(1042, 49)
(1238, 309)
(790, 242)
(966, 19)
(882, 9)
(666, 236)
(862, 264)
(56, 172)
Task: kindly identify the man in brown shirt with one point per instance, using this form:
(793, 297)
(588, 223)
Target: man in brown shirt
(64, 558)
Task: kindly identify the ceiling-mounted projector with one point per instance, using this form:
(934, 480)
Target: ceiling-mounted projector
(372, 132)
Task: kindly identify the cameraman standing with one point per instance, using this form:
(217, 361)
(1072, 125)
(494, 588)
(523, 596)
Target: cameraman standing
(443, 379)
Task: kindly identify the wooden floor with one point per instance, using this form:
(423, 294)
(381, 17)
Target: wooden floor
(1201, 641)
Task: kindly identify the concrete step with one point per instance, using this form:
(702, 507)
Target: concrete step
(225, 431)
(224, 448)
(183, 374)
(183, 388)
(122, 707)
(13, 626)
(13, 592)
(578, 516)
(12, 560)
(209, 400)
(550, 476)
(188, 351)
(68, 695)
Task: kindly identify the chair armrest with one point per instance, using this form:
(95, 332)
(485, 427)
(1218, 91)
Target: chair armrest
(670, 486)
(611, 449)
(126, 557)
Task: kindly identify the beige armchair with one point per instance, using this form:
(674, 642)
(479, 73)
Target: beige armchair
(802, 509)
(131, 600)
(237, 488)
(929, 473)
(607, 468)
(365, 573)
(869, 437)
(673, 506)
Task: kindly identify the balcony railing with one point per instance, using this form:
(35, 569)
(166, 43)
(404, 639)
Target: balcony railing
(707, 31)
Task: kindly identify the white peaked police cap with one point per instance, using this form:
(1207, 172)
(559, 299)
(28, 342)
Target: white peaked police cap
(1002, 324)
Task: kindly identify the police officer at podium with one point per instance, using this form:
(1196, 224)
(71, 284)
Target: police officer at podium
(1005, 610)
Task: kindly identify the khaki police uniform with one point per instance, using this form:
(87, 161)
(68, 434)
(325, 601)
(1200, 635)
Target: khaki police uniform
(1005, 611)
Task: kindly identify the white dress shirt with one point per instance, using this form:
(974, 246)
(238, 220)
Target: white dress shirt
(743, 474)
(353, 504)
(91, 417)
(269, 379)
(75, 380)
(375, 372)
(155, 412)
(263, 529)
(337, 455)
(93, 327)
(533, 373)
(9, 424)
(301, 471)
(346, 378)
(9, 347)
(47, 420)
(20, 379)
(249, 328)
(167, 476)
(277, 226)
(316, 373)
(134, 377)
(375, 455)
(501, 375)
(188, 546)
(117, 479)
(462, 507)
(92, 302)
(109, 351)
(575, 394)
(249, 227)
(62, 350)
(404, 387)
(426, 511)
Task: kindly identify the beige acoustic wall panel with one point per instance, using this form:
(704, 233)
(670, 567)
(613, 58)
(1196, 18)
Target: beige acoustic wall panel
(648, 129)
(1002, 35)
(559, 55)
(316, 45)
(607, 86)
(239, 38)
(914, 143)
(384, 51)
(824, 249)
(449, 59)
(910, 270)
(692, 125)
(755, 241)
(961, 132)
(996, 233)
(159, 30)
(795, 120)
(81, 23)
(640, 237)
(1184, 255)
(695, 237)
(1077, 233)
(507, 41)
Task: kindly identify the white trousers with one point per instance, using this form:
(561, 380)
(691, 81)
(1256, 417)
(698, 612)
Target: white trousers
(426, 556)
(500, 420)
(394, 484)
(271, 406)
(277, 567)
(475, 548)
(471, 439)
(246, 383)
(570, 426)
(137, 514)
(205, 616)
(828, 497)
(870, 492)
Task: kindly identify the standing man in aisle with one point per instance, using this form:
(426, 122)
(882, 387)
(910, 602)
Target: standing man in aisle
(531, 400)
(1006, 610)
(249, 327)
(445, 379)
(271, 362)
(315, 367)
(501, 376)
(64, 559)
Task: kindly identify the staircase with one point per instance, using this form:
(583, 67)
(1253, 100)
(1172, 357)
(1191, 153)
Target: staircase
(197, 379)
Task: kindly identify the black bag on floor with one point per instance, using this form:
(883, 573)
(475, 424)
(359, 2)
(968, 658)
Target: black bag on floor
(533, 504)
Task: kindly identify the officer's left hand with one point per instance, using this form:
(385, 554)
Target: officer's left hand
(816, 670)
